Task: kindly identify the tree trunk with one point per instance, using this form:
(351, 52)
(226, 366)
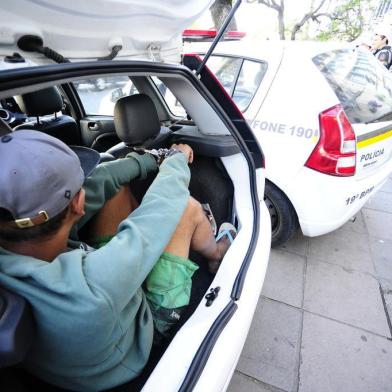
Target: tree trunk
(281, 22)
(219, 11)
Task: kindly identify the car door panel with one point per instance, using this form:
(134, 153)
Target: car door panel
(96, 129)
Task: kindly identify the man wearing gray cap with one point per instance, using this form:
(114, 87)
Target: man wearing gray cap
(95, 323)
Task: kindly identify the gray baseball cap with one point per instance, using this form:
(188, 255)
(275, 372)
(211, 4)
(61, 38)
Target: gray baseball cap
(40, 175)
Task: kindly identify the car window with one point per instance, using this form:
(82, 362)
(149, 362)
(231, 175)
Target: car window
(226, 69)
(362, 84)
(99, 95)
(249, 79)
(172, 102)
(239, 77)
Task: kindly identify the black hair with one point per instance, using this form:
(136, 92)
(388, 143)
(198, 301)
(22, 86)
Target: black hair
(46, 230)
(384, 37)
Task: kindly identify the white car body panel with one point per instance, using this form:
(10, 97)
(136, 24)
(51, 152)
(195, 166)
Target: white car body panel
(239, 324)
(283, 115)
(186, 342)
(89, 29)
(372, 155)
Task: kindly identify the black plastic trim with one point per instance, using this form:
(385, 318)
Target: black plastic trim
(207, 345)
(207, 145)
(76, 103)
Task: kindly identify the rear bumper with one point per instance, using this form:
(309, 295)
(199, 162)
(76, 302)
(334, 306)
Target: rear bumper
(327, 202)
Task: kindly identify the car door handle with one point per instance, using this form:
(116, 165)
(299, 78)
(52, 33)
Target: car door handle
(93, 126)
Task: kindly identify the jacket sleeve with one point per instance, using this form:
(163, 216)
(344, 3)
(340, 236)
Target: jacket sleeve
(120, 267)
(106, 180)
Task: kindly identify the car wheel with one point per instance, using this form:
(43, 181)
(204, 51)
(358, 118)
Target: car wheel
(284, 221)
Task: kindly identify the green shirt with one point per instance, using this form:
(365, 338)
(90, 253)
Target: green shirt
(94, 327)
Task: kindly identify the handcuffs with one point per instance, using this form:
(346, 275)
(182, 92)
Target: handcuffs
(160, 154)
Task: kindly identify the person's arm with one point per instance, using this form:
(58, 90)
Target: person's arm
(120, 267)
(106, 180)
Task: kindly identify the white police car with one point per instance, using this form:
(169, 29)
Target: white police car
(322, 113)
(130, 40)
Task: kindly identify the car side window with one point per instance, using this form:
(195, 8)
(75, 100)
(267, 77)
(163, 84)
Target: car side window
(226, 69)
(249, 79)
(99, 95)
(239, 77)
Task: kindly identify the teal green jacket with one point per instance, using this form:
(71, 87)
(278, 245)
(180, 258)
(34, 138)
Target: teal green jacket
(94, 327)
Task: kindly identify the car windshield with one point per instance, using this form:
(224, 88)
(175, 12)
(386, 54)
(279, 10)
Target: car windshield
(362, 84)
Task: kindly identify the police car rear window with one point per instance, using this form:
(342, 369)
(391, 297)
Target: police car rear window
(362, 84)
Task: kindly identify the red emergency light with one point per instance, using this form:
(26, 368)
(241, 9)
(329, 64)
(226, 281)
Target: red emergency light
(210, 34)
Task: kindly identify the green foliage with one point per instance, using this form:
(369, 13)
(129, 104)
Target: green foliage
(346, 22)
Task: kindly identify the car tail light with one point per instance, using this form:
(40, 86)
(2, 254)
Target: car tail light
(335, 153)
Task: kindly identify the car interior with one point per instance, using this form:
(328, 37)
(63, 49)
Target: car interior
(140, 121)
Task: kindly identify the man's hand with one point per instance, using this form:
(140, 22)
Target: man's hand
(184, 148)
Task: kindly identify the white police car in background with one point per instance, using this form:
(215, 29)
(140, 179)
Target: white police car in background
(227, 173)
(322, 113)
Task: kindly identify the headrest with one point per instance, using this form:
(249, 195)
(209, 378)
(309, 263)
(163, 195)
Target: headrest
(40, 103)
(136, 119)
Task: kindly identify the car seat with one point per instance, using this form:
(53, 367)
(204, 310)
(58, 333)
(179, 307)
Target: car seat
(137, 125)
(44, 103)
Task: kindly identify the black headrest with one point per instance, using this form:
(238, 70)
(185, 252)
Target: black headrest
(40, 103)
(136, 119)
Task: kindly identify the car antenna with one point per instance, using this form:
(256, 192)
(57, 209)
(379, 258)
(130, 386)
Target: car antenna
(219, 35)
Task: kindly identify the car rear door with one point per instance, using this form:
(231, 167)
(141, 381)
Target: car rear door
(96, 98)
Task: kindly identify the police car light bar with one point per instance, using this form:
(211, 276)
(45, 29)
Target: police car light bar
(209, 35)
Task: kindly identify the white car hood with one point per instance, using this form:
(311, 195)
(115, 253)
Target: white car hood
(88, 29)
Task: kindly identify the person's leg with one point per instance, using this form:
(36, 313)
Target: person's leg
(194, 232)
(114, 211)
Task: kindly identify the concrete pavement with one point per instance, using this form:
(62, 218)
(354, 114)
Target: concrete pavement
(323, 321)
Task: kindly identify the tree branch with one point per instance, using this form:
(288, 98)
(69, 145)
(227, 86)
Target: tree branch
(305, 18)
(270, 4)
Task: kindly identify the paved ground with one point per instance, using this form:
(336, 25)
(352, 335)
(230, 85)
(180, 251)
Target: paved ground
(323, 321)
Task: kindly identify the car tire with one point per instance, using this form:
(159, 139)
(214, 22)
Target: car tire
(284, 221)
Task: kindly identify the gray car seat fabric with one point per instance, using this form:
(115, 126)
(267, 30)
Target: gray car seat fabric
(137, 125)
(48, 102)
